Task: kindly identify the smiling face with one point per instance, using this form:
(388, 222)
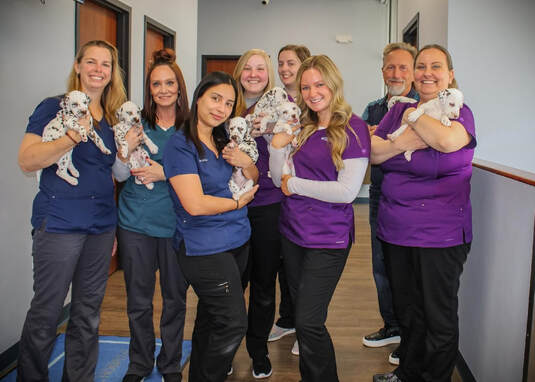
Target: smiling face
(215, 105)
(94, 69)
(289, 64)
(254, 77)
(315, 92)
(398, 72)
(431, 73)
(164, 86)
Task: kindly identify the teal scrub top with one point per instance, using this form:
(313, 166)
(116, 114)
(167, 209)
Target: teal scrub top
(145, 211)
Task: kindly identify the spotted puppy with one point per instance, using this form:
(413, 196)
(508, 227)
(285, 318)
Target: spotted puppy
(267, 106)
(289, 114)
(74, 106)
(129, 116)
(238, 133)
(443, 108)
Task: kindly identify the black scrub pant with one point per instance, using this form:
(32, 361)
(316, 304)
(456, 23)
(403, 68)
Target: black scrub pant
(264, 260)
(313, 274)
(425, 282)
(58, 260)
(141, 256)
(221, 320)
(286, 308)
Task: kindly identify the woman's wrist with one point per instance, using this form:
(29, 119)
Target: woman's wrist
(237, 204)
(71, 138)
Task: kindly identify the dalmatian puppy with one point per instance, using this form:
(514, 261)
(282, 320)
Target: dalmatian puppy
(267, 105)
(129, 116)
(74, 106)
(443, 108)
(289, 114)
(399, 99)
(239, 135)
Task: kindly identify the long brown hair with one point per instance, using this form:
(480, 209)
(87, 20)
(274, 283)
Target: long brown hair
(114, 94)
(165, 57)
(300, 51)
(340, 109)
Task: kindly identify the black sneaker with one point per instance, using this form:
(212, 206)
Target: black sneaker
(387, 377)
(393, 358)
(384, 336)
(172, 377)
(133, 378)
(262, 368)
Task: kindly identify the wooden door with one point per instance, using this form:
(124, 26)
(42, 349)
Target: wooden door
(96, 23)
(154, 41)
(218, 63)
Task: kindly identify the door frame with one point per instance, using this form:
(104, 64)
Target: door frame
(124, 23)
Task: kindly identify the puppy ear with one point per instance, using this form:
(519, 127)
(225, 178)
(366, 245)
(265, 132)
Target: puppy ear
(64, 101)
(442, 95)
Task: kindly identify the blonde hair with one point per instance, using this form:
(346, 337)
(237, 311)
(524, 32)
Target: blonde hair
(114, 94)
(240, 103)
(448, 60)
(339, 108)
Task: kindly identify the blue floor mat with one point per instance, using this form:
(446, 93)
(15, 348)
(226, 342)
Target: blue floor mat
(112, 360)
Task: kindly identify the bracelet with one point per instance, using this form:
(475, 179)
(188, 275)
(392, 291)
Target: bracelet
(237, 204)
(71, 138)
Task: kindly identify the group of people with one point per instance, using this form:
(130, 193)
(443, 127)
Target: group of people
(300, 226)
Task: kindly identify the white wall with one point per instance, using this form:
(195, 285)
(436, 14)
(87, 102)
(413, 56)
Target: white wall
(494, 293)
(491, 43)
(433, 24)
(232, 27)
(37, 44)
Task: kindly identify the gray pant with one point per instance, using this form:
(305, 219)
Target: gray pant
(58, 261)
(141, 256)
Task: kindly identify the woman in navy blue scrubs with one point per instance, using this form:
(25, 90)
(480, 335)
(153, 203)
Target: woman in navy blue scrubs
(73, 226)
(212, 233)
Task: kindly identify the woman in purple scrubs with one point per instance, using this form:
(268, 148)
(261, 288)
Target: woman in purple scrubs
(425, 222)
(289, 60)
(317, 221)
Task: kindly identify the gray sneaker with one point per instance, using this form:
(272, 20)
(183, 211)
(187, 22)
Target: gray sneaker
(277, 333)
(387, 377)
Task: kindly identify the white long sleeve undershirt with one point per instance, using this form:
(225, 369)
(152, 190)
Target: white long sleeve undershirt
(343, 190)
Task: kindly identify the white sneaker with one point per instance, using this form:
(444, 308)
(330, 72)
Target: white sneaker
(295, 348)
(277, 333)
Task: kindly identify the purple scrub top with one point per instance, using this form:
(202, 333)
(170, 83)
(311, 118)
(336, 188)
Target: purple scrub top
(426, 202)
(312, 223)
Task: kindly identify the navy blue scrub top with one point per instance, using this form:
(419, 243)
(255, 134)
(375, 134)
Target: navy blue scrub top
(209, 234)
(88, 207)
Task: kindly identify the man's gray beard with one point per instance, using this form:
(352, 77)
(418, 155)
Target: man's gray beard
(396, 90)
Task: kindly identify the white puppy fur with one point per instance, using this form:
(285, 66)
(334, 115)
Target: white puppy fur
(74, 106)
(129, 116)
(443, 108)
(239, 135)
(267, 105)
(289, 114)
